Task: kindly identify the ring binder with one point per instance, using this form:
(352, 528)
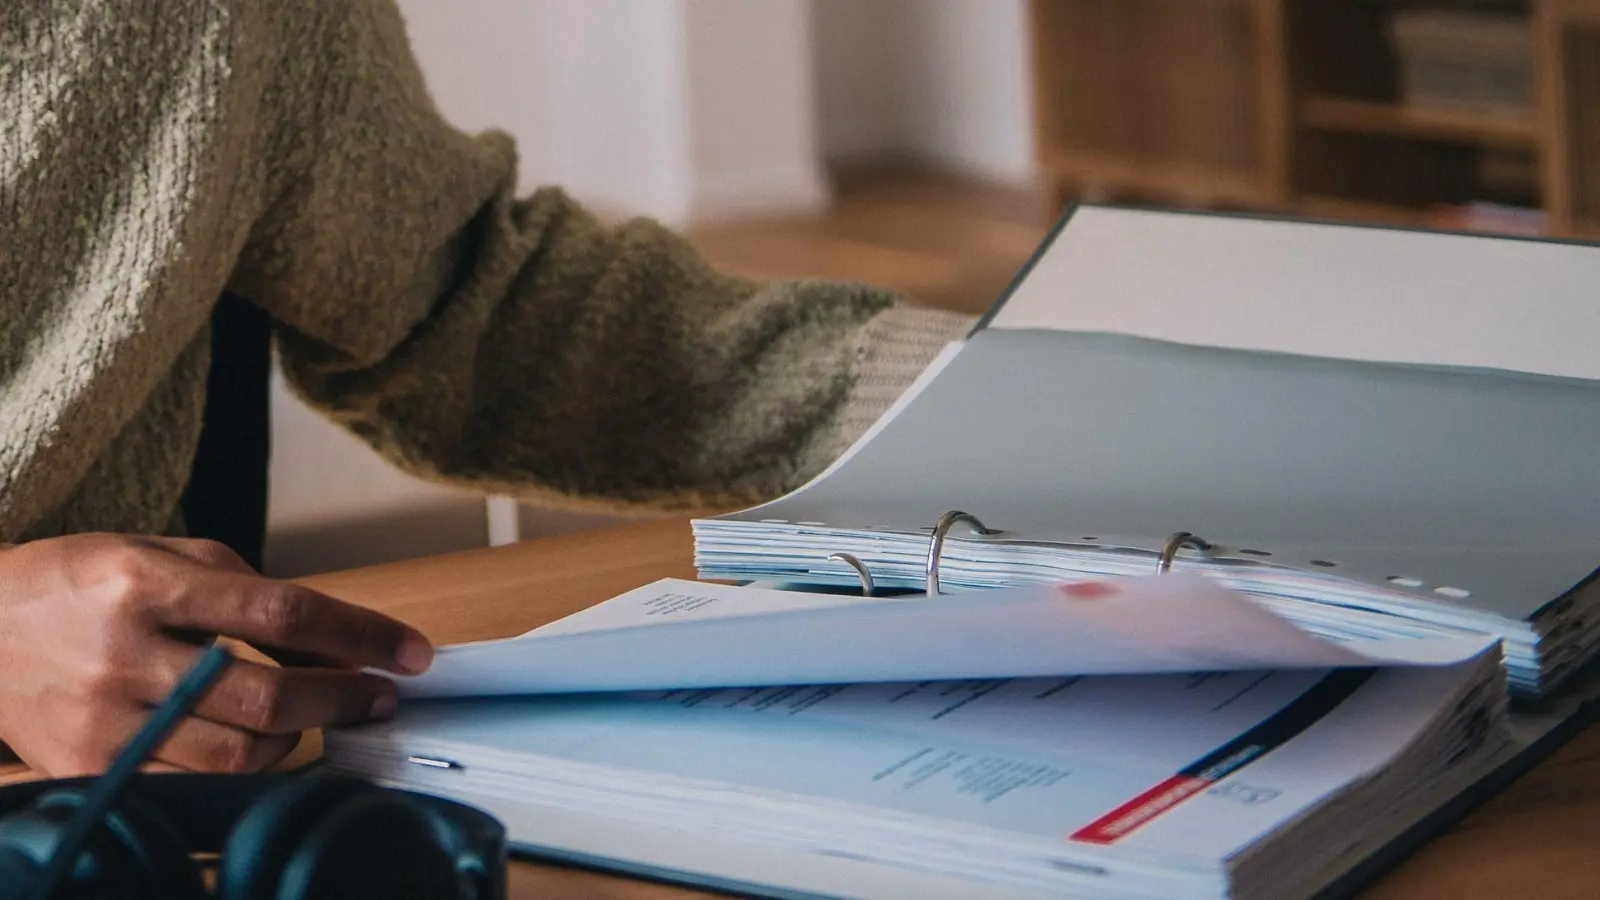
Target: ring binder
(867, 586)
(1176, 541)
(936, 543)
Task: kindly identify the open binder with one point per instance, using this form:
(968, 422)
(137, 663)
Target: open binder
(1383, 436)
(1379, 433)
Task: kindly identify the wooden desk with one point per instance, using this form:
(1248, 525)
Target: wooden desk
(1533, 841)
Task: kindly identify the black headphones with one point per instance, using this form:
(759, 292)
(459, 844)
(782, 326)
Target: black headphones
(127, 836)
(280, 837)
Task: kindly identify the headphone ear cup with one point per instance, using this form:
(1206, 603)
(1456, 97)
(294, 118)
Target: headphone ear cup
(161, 850)
(134, 854)
(269, 833)
(379, 845)
(17, 872)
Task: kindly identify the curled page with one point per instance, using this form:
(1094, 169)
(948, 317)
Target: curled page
(685, 634)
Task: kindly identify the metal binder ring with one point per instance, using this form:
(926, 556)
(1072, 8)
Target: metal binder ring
(867, 587)
(936, 546)
(1178, 540)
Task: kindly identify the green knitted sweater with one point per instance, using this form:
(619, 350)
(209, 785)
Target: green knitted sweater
(157, 153)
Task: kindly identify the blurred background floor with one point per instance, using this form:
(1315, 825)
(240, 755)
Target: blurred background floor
(947, 240)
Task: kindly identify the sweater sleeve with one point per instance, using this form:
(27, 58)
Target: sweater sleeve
(515, 343)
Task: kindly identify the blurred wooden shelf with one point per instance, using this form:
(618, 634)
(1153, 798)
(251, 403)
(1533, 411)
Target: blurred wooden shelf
(950, 241)
(1344, 209)
(1368, 117)
(1195, 181)
(1299, 105)
(1486, 219)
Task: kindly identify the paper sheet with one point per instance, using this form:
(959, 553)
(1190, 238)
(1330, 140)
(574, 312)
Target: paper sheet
(1014, 775)
(686, 634)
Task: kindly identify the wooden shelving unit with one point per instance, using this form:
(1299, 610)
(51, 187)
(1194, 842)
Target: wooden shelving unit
(1340, 114)
(1296, 106)
(1324, 206)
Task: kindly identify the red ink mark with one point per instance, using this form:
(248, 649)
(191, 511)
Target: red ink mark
(1088, 590)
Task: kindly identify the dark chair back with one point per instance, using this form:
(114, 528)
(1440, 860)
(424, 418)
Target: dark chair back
(226, 497)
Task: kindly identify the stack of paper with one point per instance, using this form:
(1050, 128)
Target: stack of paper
(1381, 433)
(1459, 535)
(685, 634)
(954, 746)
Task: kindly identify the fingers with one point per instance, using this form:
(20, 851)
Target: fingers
(206, 553)
(302, 660)
(198, 745)
(87, 745)
(160, 768)
(295, 619)
(269, 700)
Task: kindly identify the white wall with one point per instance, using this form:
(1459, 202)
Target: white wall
(671, 107)
(682, 110)
(862, 66)
(754, 148)
(942, 81)
(486, 63)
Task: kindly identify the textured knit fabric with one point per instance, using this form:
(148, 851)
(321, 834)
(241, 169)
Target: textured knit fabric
(157, 153)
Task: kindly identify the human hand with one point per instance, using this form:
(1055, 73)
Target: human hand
(97, 629)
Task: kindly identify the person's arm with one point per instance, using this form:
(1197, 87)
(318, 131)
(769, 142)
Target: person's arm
(514, 343)
(165, 152)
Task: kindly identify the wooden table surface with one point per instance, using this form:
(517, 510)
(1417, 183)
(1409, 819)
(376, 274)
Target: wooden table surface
(1535, 840)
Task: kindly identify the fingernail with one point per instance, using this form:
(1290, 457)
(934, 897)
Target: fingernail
(384, 706)
(415, 656)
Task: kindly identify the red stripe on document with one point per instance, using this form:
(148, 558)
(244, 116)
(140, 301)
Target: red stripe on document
(1118, 823)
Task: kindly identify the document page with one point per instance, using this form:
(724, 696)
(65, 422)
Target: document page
(1204, 762)
(1351, 292)
(684, 634)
